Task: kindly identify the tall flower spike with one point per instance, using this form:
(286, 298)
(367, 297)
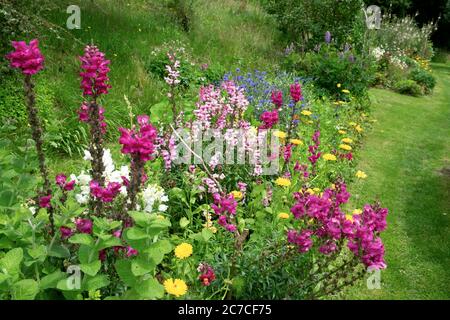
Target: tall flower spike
(95, 72)
(28, 58)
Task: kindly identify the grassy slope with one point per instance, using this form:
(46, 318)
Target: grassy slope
(222, 32)
(127, 31)
(406, 157)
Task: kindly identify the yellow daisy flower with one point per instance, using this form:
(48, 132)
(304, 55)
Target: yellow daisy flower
(237, 194)
(345, 147)
(280, 134)
(306, 113)
(175, 287)
(283, 215)
(296, 141)
(358, 128)
(183, 250)
(361, 174)
(347, 140)
(349, 217)
(329, 157)
(342, 131)
(284, 182)
(338, 85)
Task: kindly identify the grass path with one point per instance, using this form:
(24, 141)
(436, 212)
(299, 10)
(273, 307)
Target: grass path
(407, 159)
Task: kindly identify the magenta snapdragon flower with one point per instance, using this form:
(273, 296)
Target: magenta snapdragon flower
(277, 98)
(84, 225)
(296, 92)
(270, 118)
(106, 194)
(139, 143)
(66, 232)
(61, 181)
(83, 115)
(225, 208)
(207, 274)
(28, 58)
(95, 72)
(44, 202)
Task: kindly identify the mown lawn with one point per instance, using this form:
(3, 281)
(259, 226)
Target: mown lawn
(406, 158)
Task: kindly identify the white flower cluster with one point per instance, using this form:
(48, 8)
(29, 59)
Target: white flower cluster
(398, 62)
(378, 53)
(154, 197)
(110, 174)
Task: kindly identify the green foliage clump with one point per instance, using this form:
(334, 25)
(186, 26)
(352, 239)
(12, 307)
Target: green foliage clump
(192, 73)
(329, 67)
(305, 22)
(424, 79)
(12, 103)
(409, 87)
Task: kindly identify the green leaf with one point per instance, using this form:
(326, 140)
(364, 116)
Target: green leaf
(25, 289)
(111, 242)
(11, 261)
(141, 266)
(141, 218)
(91, 268)
(96, 282)
(184, 222)
(38, 253)
(58, 251)
(165, 246)
(150, 289)
(51, 280)
(207, 234)
(136, 233)
(123, 269)
(7, 198)
(179, 193)
(158, 225)
(82, 238)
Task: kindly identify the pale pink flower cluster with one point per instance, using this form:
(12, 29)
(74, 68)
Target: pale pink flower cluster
(173, 74)
(226, 110)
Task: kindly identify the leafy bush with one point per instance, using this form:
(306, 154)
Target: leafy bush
(192, 73)
(305, 22)
(329, 66)
(402, 36)
(409, 87)
(12, 103)
(423, 78)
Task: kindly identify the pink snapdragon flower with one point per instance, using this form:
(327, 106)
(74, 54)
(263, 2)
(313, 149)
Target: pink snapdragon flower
(139, 143)
(44, 202)
(225, 208)
(131, 252)
(95, 72)
(270, 118)
(61, 181)
(28, 58)
(83, 116)
(277, 98)
(296, 92)
(107, 194)
(66, 232)
(207, 274)
(84, 225)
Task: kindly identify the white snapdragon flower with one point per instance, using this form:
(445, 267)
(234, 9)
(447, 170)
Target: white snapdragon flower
(154, 197)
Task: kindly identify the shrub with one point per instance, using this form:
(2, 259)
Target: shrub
(305, 22)
(12, 104)
(409, 87)
(329, 66)
(402, 36)
(423, 78)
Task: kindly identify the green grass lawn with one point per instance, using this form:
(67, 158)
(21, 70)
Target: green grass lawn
(406, 158)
